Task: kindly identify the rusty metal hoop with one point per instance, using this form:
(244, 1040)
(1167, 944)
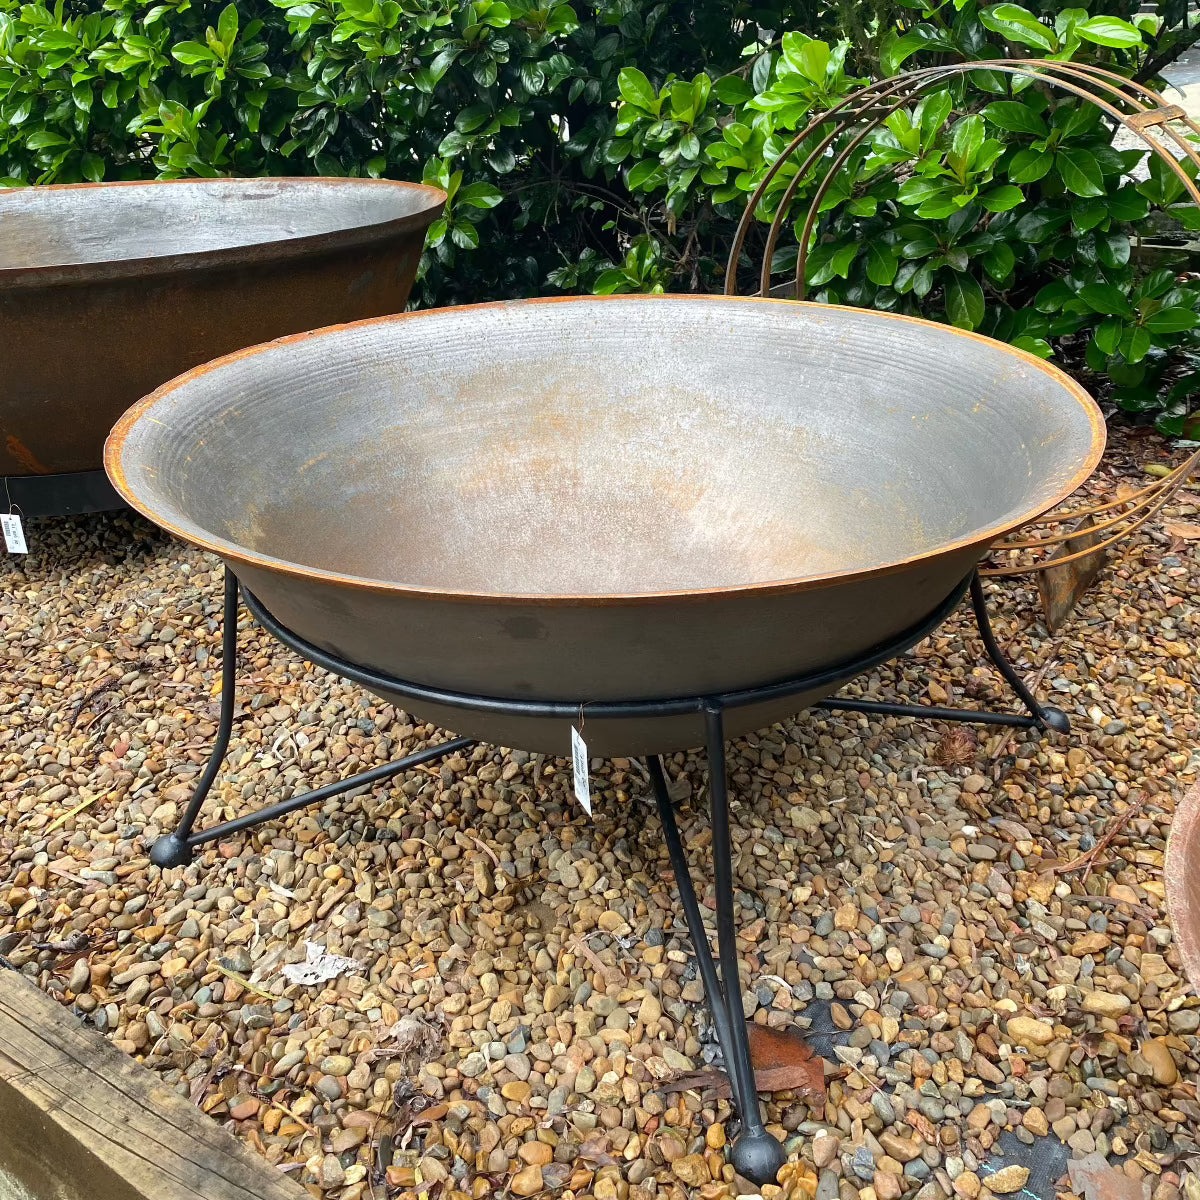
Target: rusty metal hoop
(1132, 105)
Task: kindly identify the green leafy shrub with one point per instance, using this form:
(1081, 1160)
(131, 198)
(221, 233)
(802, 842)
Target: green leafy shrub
(611, 146)
(993, 203)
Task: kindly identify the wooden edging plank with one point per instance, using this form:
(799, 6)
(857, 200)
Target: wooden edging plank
(74, 1106)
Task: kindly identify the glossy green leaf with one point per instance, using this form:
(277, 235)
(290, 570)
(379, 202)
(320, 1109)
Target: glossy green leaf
(190, 53)
(1018, 24)
(1109, 31)
(227, 25)
(965, 303)
(1135, 345)
(1028, 166)
(1106, 298)
(919, 189)
(966, 140)
(644, 175)
(1034, 345)
(882, 263)
(999, 262)
(733, 89)
(1158, 283)
(437, 232)
(918, 241)
(1112, 250)
(1079, 170)
(1172, 320)
(1088, 212)
(933, 110)
(1053, 296)
(1014, 117)
(1108, 334)
(1040, 223)
(480, 195)
(635, 89)
(827, 261)
(1001, 199)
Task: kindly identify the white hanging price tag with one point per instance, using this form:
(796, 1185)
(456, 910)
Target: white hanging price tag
(14, 535)
(579, 767)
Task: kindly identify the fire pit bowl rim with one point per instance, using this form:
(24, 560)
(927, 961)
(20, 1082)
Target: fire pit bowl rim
(239, 254)
(238, 555)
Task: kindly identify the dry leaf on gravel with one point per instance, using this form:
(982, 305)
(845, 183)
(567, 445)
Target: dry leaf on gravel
(1188, 530)
(783, 1062)
(319, 966)
(412, 1039)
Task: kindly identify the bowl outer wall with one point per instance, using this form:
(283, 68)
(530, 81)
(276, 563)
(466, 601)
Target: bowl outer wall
(610, 647)
(80, 344)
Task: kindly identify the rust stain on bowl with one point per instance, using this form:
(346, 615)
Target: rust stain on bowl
(21, 453)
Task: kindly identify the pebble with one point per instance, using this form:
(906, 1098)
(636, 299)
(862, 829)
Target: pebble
(81, 976)
(902, 1149)
(527, 1181)
(825, 1149)
(1027, 1031)
(1106, 1004)
(332, 1174)
(967, 1185)
(1008, 1179)
(1186, 1020)
(1035, 1121)
(1161, 1061)
(692, 1169)
(863, 1163)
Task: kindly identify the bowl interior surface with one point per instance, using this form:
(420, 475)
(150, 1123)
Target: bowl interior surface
(595, 447)
(66, 226)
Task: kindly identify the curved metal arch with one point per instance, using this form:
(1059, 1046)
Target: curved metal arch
(870, 106)
(1132, 105)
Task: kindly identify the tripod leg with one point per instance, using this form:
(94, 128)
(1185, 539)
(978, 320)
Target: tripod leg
(755, 1154)
(1046, 716)
(695, 922)
(172, 849)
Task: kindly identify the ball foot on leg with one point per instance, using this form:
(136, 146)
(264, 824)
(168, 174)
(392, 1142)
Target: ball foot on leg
(170, 851)
(757, 1156)
(1056, 719)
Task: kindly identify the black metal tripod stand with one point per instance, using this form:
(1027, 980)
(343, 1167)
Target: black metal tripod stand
(755, 1154)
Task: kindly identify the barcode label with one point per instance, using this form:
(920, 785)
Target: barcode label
(579, 765)
(14, 535)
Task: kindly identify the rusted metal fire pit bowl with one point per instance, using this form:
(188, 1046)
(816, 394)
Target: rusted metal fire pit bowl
(663, 520)
(608, 499)
(107, 290)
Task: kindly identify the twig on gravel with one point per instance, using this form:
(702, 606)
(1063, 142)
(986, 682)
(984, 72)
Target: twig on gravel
(62, 818)
(1087, 860)
(243, 981)
(107, 686)
(487, 850)
(72, 944)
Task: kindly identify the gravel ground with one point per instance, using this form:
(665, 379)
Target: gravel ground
(524, 987)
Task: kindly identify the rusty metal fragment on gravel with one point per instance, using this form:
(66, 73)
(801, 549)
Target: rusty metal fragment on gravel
(1062, 585)
(1094, 1178)
(783, 1062)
